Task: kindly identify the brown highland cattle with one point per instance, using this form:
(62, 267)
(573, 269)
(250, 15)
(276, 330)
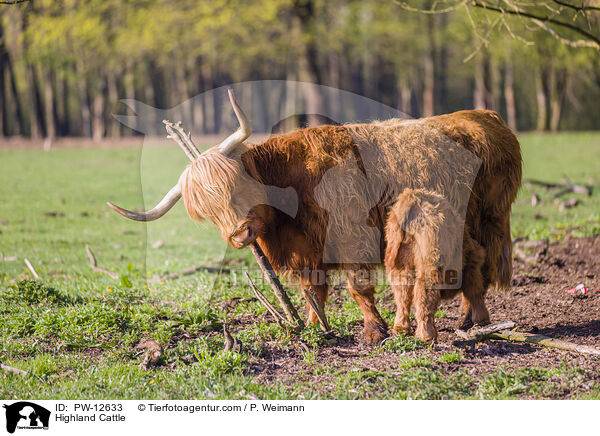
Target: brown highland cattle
(347, 179)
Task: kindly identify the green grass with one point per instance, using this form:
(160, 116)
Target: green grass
(75, 331)
(552, 158)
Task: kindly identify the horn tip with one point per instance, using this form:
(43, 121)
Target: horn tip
(114, 207)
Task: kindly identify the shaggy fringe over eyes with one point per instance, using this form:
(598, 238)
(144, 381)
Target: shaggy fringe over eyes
(217, 187)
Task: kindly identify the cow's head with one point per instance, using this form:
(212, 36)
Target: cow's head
(216, 186)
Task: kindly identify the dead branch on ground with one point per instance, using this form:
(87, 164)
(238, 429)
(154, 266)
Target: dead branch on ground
(189, 271)
(531, 338)
(30, 266)
(12, 369)
(566, 185)
(477, 334)
(505, 331)
(94, 264)
(265, 302)
(231, 343)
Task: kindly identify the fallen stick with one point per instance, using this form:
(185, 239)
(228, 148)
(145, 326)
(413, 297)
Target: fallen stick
(94, 264)
(575, 189)
(567, 186)
(261, 297)
(30, 266)
(190, 271)
(478, 333)
(512, 335)
(271, 276)
(11, 369)
(317, 307)
(231, 343)
(502, 331)
(547, 185)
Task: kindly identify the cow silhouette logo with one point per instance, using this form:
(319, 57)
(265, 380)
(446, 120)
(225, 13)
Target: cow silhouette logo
(26, 415)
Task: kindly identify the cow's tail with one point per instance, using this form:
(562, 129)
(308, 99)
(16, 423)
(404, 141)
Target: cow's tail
(505, 268)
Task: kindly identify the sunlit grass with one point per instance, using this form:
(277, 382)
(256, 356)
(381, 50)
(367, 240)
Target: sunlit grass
(75, 331)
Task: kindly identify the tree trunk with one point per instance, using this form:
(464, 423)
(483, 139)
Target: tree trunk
(84, 102)
(60, 108)
(183, 102)
(49, 107)
(3, 115)
(334, 82)
(150, 97)
(441, 66)
(208, 101)
(494, 76)
(509, 96)
(405, 95)
(558, 85)
(429, 70)
(129, 84)
(302, 24)
(479, 77)
(16, 98)
(113, 97)
(540, 93)
(35, 127)
(98, 114)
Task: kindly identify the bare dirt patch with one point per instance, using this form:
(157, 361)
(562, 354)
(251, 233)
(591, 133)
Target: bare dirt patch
(537, 302)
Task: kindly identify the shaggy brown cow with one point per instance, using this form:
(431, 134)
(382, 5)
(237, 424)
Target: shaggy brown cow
(374, 163)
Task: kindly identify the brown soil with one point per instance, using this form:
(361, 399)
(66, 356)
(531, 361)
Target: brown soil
(537, 302)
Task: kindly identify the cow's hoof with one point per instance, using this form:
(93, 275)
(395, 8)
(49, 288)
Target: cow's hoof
(481, 318)
(375, 333)
(465, 322)
(401, 329)
(426, 334)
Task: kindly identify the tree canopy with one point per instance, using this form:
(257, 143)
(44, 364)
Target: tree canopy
(65, 64)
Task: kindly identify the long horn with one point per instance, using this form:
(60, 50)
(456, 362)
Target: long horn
(159, 210)
(241, 134)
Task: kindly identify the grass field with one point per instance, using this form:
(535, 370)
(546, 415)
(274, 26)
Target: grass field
(75, 332)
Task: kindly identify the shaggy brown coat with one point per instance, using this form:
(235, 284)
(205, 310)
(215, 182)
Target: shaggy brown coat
(413, 154)
(428, 251)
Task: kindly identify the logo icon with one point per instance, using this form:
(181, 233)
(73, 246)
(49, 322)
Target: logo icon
(26, 415)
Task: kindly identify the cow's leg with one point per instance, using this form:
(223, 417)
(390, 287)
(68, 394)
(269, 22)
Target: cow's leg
(363, 292)
(478, 310)
(426, 303)
(474, 288)
(465, 321)
(403, 295)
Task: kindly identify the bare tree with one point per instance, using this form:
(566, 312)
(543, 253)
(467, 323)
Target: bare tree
(575, 23)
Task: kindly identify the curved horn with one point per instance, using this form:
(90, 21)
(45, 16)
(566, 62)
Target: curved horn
(159, 210)
(241, 134)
